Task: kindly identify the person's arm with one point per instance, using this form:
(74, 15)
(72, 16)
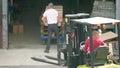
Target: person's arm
(59, 19)
(101, 42)
(86, 46)
(44, 20)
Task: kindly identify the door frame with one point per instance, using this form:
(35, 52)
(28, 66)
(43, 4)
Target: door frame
(5, 24)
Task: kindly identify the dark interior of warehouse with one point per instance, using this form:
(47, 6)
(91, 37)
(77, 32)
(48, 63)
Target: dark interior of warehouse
(27, 13)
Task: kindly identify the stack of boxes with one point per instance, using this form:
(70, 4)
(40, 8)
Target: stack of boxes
(61, 24)
(18, 29)
(59, 8)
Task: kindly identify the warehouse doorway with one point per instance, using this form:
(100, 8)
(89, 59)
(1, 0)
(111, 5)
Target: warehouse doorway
(24, 26)
(22, 31)
(27, 19)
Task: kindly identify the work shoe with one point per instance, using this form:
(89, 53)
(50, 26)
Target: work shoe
(46, 51)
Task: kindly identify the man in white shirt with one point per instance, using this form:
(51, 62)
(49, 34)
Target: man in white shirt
(52, 18)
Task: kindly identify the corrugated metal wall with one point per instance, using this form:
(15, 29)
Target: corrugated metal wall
(104, 9)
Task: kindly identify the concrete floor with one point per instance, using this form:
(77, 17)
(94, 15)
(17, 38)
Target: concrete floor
(29, 39)
(22, 58)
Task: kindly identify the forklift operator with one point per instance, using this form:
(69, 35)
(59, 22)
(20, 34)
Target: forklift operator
(97, 41)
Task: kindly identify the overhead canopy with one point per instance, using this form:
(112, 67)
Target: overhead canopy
(77, 15)
(96, 20)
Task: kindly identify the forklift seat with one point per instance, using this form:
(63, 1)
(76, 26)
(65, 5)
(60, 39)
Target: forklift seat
(100, 55)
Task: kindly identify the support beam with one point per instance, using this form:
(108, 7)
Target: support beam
(118, 9)
(117, 29)
(4, 24)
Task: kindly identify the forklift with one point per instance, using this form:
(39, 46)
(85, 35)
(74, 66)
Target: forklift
(82, 28)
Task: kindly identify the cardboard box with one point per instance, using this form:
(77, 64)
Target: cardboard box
(59, 8)
(109, 36)
(20, 29)
(15, 29)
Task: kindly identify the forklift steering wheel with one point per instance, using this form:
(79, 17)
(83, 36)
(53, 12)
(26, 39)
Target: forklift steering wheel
(82, 45)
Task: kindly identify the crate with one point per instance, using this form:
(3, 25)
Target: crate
(18, 29)
(15, 29)
(59, 8)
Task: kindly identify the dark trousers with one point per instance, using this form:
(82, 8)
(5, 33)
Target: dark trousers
(64, 51)
(52, 28)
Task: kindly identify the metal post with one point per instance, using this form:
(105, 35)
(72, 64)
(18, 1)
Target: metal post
(119, 39)
(5, 24)
(118, 9)
(117, 13)
(117, 27)
(67, 32)
(91, 45)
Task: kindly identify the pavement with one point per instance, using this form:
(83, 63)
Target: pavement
(22, 58)
(22, 47)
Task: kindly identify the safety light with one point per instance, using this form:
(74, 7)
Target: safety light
(96, 24)
(66, 20)
(115, 22)
(104, 26)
